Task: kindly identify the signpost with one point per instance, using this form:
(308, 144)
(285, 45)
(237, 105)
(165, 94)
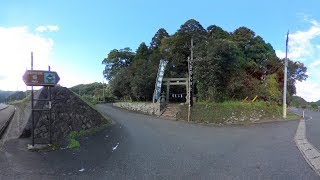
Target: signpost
(40, 78)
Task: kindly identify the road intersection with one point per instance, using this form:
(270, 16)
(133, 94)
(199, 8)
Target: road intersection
(138, 146)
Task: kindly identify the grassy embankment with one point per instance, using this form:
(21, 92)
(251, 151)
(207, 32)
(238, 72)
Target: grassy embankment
(234, 112)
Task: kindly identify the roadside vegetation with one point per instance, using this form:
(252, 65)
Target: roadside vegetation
(75, 136)
(93, 93)
(234, 112)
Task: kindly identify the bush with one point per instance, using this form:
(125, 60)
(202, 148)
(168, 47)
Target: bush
(73, 143)
(89, 99)
(314, 106)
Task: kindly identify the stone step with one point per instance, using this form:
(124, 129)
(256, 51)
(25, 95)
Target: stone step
(171, 111)
(169, 114)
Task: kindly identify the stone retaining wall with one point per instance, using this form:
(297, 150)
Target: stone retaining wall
(144, 107)
(69, 113)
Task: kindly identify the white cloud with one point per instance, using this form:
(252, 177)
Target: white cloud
(16, 45)
(303, 47)
(309, 90)
(314, 64)
(47, 28)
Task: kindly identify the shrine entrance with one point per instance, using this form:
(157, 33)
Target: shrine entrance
(176, 82)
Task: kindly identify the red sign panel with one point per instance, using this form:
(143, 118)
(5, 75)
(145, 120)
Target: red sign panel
(40, 78)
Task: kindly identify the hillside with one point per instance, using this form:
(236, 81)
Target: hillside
(18, 95)
(4, 95)
(298, 101)
(93, 93)
(93, 89)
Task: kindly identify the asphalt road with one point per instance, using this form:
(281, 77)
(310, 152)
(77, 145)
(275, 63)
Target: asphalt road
(313, 127)
(138, 146)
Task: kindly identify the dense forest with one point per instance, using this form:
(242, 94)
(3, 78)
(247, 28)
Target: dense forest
(227, 65)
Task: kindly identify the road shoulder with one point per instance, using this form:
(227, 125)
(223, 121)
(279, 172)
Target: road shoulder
(309, 152)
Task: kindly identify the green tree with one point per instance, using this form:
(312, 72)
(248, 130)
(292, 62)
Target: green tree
(314, 106)
(140, 67)
(216, 32)
(116, 60)
(177, 47)
(296, 72)
(271, 87)
(243, 37)
(120, 84)
(157, 38)
(215, 71)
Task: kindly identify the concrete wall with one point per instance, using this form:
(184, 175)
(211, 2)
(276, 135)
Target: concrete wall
(144, 107)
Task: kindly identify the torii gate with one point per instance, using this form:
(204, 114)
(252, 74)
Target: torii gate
(169, 82)
(176, 82)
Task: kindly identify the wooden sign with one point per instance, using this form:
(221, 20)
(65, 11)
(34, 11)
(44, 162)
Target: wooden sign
(40, 78)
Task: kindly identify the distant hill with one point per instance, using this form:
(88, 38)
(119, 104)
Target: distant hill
(4, 95)
(318, 103)
(298, 101)
(18, 95)
(92, 89)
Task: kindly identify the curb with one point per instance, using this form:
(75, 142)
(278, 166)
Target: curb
(308, 151)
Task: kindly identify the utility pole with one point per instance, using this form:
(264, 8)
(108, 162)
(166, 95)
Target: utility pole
(284, 103)
(191, 75)
(32, 111)
(50, 112)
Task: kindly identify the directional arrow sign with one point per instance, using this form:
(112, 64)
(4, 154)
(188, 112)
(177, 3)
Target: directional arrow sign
(40, 78)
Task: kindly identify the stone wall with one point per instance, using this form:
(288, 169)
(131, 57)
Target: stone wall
(144, 107)
(69, 113)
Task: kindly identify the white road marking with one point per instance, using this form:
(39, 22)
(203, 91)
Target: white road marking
(114, 148)
(309, 152)
(81, 170)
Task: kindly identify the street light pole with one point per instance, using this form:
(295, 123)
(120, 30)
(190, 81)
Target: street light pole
(284, 103)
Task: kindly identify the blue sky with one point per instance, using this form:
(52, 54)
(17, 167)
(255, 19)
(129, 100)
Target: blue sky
(74, 36)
